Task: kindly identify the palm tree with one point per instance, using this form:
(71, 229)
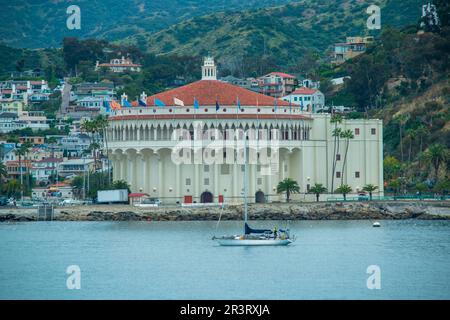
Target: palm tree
(347, 135)
(289, 186)
(401, 119)
(22, 151)
(91, 127)
(421, 131)
(370, 188)
(317, 189)
(437, 154)
(336, 133)
(102, 125)
(411, 134)
(344, 189)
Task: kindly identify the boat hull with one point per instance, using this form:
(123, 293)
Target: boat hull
(253, 242)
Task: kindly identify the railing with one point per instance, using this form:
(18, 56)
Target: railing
(390, 198)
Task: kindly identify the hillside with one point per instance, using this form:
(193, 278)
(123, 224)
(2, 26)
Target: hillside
(284, 33)
(42, 23)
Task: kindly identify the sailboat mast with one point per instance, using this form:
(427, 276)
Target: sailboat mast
(245, 180)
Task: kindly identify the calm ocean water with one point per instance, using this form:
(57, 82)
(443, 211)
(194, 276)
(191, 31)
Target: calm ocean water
(177, 260)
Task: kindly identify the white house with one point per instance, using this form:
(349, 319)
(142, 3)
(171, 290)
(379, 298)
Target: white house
(309, 99)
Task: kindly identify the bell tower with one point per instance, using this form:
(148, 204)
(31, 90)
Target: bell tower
(209, 69)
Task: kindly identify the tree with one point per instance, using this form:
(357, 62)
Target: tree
(395, 185)
(437, 154)
(344, 189)
(335, 119)
(421, 187)
(289, 186)
(12, 188)
(347, 135)
(370, 188)
(3, 171)
(442, 187)
(391, 167)
(411, 134)
(120, 184)
(421, 131)
(317, 189)
(21, 152)
(102, 123)
(401, 120)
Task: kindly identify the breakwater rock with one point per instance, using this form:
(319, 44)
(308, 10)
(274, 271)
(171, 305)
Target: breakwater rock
(273, 211)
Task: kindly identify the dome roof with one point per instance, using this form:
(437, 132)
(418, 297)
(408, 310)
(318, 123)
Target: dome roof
(207, 92)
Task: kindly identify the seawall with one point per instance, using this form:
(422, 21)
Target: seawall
(275, 211)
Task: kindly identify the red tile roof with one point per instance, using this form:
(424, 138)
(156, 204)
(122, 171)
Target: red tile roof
(281, 74)
(304, 90)
(207, 92)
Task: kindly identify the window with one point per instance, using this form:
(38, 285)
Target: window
(206, 182)
(338, 157)
(224, 169)
(374, 131)
(356, 131)
(338, 174)
(188, 181)
(206, 168)
(356, 174)
(259, 181)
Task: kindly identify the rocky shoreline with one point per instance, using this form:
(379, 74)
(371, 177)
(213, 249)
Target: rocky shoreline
(276, 211)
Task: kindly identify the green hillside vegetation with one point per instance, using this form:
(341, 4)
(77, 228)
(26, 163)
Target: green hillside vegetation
(404, 80)
(42, 24)
(282, 35)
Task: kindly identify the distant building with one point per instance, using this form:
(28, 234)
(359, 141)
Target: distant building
(354, 46)
(8, 152)
(10, 121)
(277, 84)
(75, 144)
(309, 99)
(247, 83)
(32, 140)
(42, 169)
(339, 81)
(119, 65)
(14, 168)
(308, 83)
(75, 167)
(14, 106)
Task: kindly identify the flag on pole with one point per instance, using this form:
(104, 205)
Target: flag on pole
(217, 105)
(107, 106)
(178, 102)
(159, 103)
(238, 102)
(115, 105)
(125, 103)
(275, 104)
(196, 104)
(142, 103)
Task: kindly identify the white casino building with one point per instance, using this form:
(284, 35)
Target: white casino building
(141, 141)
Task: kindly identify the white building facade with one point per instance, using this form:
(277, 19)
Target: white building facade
(144, 146)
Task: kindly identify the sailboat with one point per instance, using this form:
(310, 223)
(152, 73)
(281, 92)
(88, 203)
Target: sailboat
(254, 237)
